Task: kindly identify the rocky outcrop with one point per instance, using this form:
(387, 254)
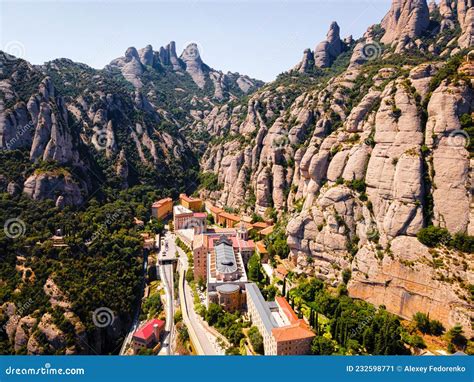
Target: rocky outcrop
(327, 51)
(307, 63)
(405, 281)
(194, 65)
(465, 9)
(406, 21)
(450, 160)
(50, 185)
(359, 180)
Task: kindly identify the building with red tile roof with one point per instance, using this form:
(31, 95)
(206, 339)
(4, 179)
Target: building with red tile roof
(194, 204)
(266, 231)
(147, 335)
(162, 208)
(227, 219)
(282, 331)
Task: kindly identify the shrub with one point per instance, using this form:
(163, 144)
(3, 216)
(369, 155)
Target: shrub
(346, 275)
(422, 322)
(256, 340)
(463, 242)
(436, 328)
(433, 236)
(322, 346)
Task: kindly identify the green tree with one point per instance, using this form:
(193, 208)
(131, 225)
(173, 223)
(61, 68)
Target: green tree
(254, 268)
(213, 313)
(422, 322)
(455, 336)
(433, 236)
(322, 346)
(256, 339)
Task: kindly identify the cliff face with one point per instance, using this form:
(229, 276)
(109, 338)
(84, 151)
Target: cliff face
(361, 161)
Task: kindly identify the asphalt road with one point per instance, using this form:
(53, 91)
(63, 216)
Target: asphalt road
(193, 320)
(167, 278)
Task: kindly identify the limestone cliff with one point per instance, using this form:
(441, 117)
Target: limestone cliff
(361, 161)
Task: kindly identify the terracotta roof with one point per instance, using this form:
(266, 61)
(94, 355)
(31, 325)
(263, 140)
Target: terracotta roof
(281, 270)
(266, 231)
(261, 247)
(287, 309)
(261, 225)
(296, 331)
(237, 243)
(226, 215)
(213, 208)
(202, 215)
(146, 331)
(246, 225)
(189, 198)
(160, 202)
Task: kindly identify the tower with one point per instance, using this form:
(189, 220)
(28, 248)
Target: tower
(242, 232)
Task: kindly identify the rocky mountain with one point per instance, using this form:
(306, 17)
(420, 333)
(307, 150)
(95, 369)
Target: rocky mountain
(356, 151)
(358, 148)
(213, 83)
(119, 126)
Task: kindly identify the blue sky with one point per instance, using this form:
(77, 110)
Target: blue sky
(260, 38)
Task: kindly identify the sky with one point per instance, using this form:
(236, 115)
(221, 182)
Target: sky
(260, 38)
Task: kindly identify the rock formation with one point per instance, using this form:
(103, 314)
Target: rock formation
(327, 51)
(406, 21)
(136, 62)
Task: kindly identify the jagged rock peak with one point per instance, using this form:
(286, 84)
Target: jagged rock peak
(132, 53)
(194, 65)
(191, 53)
(146, 55)
(327, 51)
(465, 10)
(406, 20)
